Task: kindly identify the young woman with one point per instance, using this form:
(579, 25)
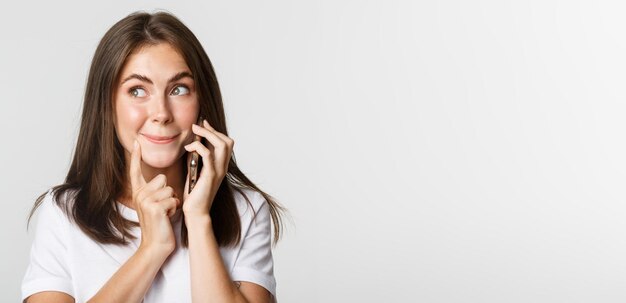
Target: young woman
(124, 227)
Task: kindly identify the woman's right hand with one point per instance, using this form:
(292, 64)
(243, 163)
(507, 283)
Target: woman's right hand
(155, 203)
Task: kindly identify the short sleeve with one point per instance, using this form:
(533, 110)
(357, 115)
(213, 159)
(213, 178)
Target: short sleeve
(254, 262)
(48, 266)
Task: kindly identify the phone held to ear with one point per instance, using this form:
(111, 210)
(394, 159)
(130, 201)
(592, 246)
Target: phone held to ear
(194, 165)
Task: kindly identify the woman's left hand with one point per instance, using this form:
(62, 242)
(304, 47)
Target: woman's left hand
(215, 159)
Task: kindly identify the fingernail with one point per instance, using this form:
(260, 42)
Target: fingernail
(136, 144)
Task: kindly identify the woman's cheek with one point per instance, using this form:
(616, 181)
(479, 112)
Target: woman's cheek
(189, 137)
(129, 121)
(135, 115)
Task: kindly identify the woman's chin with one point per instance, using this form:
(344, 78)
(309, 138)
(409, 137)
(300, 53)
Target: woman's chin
(160, 161)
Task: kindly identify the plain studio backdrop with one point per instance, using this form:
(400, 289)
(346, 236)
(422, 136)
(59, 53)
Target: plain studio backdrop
(428, 151)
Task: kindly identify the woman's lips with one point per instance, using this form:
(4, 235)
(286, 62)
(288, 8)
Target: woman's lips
(160, 139)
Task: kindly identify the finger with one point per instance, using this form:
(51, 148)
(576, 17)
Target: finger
(164, 207)
(212, 137)
(197, 146)
(207, 157)
(159, 181)
(156, 183)
(220, 148)
(161, 194)
(225, 155)
(169, 206)
(136, 176)
(224, 138)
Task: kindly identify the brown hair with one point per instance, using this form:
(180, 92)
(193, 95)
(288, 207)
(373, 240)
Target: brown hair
(97, 174)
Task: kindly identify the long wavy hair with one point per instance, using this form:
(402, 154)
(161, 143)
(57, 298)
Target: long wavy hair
(97, 176)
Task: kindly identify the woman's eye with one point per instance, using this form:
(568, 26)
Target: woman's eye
(180, 90)
(137, 92)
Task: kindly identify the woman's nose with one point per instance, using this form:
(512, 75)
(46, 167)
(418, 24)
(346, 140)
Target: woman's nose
(160, 111)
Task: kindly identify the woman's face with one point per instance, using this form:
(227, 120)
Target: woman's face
(156, 103)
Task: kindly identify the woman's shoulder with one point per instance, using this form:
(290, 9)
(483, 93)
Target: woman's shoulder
(57, 203)
(247, 198)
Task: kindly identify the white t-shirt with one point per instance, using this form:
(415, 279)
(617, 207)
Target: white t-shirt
(63, 258)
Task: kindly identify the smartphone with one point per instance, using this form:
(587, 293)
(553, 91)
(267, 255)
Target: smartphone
(194, 163)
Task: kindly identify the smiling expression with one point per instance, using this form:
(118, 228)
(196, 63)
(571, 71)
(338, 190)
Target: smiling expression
(156, 103)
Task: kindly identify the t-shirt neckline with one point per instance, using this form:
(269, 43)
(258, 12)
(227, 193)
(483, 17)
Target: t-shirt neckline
(127, 212)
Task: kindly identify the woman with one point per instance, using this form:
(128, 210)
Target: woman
(124, 226)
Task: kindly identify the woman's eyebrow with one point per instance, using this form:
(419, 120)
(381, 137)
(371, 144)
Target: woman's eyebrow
(146, 79)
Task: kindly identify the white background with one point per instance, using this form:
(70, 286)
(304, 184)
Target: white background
(428, 151)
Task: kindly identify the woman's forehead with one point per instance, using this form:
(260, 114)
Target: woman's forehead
(158, 62)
